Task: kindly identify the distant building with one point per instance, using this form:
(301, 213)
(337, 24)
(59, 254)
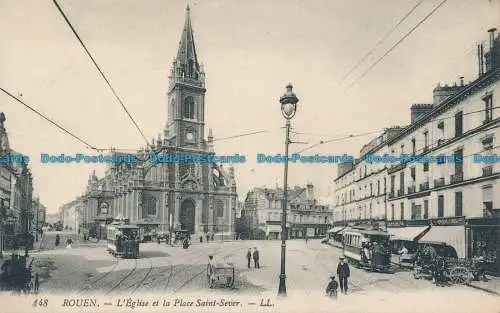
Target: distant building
(262, 213)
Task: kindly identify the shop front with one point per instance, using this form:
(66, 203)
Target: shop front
(448, 237)
(484, 238)
(406, 234)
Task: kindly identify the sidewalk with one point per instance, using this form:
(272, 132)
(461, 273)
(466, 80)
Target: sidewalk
(490, 286)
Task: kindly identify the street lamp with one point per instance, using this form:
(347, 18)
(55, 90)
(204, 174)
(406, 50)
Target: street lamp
(288, 108)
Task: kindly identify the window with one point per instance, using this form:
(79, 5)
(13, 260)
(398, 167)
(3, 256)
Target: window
(426, 209)
(459, 162)
(371, 189)
(458, 203)
(402, 149)
(413, 173)
(458, 124)
(488, 108)
(385, 185)
(188, 108)
(378, 187)
(413, 146)
(426, 140)
(393, 183)
(402, 181)
(488, 201)
(426, 166)
(402, 208)
(440, 206)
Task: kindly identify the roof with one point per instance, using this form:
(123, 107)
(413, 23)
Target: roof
(187, 49)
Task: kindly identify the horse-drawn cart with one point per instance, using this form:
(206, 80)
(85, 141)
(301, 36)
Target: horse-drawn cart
(443, 269)
(220, 274)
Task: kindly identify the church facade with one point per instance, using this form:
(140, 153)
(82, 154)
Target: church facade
(195, 196)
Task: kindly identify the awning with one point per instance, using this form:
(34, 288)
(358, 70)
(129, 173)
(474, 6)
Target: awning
(406, 233)
(335, 230)
(450, 235)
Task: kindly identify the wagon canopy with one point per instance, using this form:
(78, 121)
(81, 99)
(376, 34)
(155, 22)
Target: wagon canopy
(335, 230)
(407, 233)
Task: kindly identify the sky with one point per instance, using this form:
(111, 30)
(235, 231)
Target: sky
(250, 51)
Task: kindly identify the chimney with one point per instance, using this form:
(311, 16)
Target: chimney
(491, 57)
(418, 110)
(461, 81)
(310, 191)
(440, 93)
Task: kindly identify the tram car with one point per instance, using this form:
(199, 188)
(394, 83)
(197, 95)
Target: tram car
(123, 240)
(367, 249)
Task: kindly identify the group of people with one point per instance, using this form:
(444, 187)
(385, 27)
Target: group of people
(255, 256)
(15, 275)
(343, 273)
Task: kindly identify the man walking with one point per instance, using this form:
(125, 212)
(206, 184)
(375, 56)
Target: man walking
(256, 257)
(343, 273)
(249, 256)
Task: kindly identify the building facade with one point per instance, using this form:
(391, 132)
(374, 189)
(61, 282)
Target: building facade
(158, 196)
(16, 192)
(451, 186)
(262, 214)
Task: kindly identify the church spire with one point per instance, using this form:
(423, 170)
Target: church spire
(187, 60)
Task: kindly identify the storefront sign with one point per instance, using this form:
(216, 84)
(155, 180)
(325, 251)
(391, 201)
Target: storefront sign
(395, 223)
(417, 223)
(448, 221)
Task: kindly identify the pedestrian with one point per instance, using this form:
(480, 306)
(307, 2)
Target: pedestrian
(37, 283)
(343, 272)
(306, 238)
(68, 243)
(211, 270)
(331, 289)
(256, 257)
(249, 256)
(208, 237)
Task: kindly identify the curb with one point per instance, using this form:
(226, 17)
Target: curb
(484, 289)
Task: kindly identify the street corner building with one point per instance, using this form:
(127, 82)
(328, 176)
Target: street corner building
(159, 197)
(453, 207)
(262, 214)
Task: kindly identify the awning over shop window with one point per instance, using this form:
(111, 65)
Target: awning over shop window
(335, 230)
(406, 233)
(450, 235)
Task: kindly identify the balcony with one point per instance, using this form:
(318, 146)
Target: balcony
(488, 170)
(440, 142)
(391, 194)
(439, 182)
(424, 186)
(456, 178)
(411, 189)
(426, 149)
(401, 192)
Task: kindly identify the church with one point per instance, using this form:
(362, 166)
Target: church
(158, 197)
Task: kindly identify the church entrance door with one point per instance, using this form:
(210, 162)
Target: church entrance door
(187, 215)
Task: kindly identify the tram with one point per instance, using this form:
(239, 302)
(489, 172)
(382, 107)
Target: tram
(123, 240)
(367, 248)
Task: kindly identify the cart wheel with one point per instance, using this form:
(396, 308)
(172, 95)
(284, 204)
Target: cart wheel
(459, 275)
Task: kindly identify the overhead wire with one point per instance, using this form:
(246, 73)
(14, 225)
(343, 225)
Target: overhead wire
(382, 40)
(100, 71)
(398, 43)
(88, 145)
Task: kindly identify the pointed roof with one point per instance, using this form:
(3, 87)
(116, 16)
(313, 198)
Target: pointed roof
(187, 49)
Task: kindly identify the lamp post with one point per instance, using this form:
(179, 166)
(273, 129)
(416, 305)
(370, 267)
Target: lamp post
(288, 108)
